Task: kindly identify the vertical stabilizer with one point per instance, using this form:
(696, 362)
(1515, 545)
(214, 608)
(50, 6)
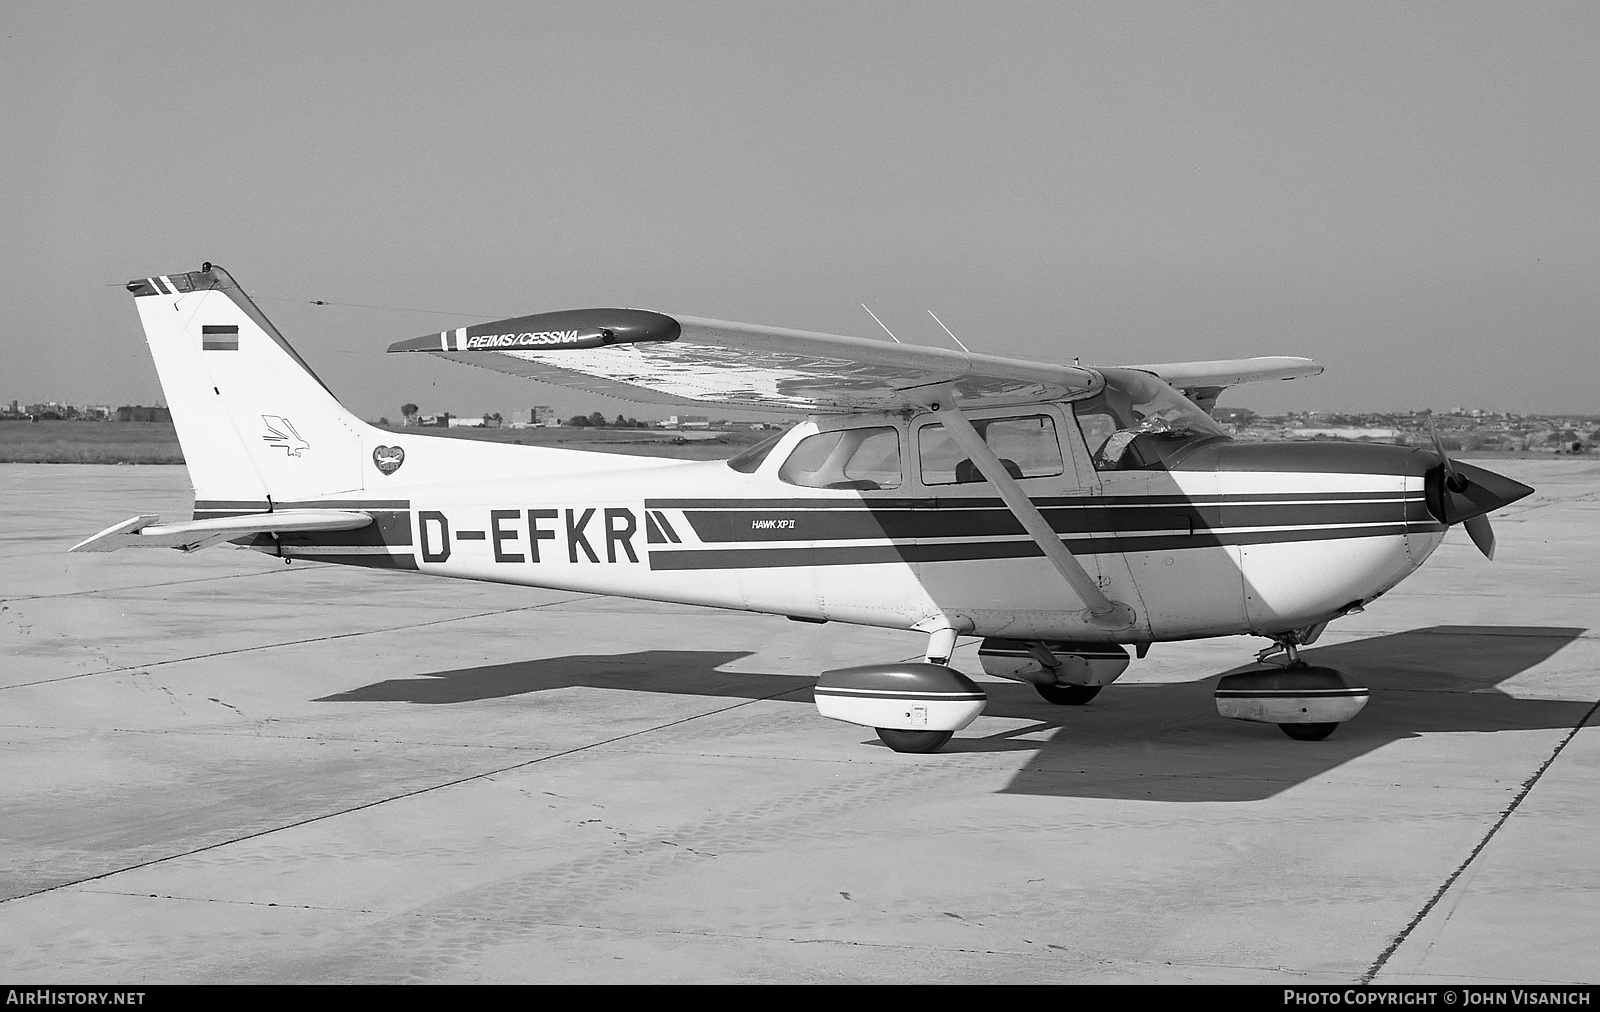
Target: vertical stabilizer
(255, 422)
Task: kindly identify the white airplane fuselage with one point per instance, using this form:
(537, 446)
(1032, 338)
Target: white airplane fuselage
(1244, 540)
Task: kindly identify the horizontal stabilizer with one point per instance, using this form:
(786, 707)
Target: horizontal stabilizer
(146, 531)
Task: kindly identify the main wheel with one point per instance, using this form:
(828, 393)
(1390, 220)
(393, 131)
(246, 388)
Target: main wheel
(913, 741)
(1308, 732)
(1069, 695)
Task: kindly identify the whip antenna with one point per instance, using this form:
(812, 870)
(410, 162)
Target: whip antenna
(947, 330)
(879, 322)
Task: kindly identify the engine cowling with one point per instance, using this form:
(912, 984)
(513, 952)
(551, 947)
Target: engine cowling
(1081, 663)
(914, 696)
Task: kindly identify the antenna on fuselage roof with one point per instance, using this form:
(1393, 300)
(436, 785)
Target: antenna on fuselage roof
(879, 322)
(952, 334)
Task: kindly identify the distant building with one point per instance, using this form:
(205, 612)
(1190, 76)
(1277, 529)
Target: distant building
(1344, 432)
(139, 413)
(687, 422)
(538, 416)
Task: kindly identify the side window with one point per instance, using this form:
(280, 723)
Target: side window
(847, 458)
(939, 454)
(1029, 442)
(1027, 446)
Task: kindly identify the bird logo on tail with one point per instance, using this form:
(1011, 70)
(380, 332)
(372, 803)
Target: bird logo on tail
(281, 433)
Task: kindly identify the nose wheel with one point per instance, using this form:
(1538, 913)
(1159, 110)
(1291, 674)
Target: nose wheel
(1308, 702)
(1308, 732)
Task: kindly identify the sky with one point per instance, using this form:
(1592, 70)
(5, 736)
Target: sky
(1407, 193)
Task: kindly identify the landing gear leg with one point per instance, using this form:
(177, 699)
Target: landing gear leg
(941, 644)
(1286, 644)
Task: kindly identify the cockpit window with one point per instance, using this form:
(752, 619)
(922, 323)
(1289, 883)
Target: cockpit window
(749, 460)
(846, 458)
(1138, 422)
(1027, 447)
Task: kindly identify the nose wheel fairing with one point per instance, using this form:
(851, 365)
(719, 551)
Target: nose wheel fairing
(1306, 701)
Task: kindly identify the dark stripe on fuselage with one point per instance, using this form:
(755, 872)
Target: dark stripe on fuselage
(966, 551)
(390, 528)
(873, 501)
(204, 508)
(391, 521)
(1098, 516)
(369, 561)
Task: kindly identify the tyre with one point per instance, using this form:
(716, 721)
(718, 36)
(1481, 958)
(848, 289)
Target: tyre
(1308, 732)
(1069, 695)
(913, 741)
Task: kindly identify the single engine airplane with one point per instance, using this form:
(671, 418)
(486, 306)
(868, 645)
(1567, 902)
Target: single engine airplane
(1062, 513)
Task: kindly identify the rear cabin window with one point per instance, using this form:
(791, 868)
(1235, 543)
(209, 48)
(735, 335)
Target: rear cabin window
(1027, 446)
(749, 460)
(847, 458)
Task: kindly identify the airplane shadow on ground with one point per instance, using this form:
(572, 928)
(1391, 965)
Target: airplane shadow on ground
(1151, 742)
(679, 672)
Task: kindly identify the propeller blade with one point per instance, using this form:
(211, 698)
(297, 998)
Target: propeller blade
(1481, 533)
(1452, 481)
(1467, 494)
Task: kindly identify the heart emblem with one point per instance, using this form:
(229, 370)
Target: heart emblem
(388, 458)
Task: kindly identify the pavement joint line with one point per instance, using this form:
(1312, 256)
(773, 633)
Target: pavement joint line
(1043, 948)
(242, 903)
(147, 586)
(760, 936)
(293, 643)
(200, 732)
(1527, 787)
(486, 775)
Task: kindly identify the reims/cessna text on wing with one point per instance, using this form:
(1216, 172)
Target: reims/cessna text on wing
(1062, 513)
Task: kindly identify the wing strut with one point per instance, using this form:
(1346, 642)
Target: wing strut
(1104, 613)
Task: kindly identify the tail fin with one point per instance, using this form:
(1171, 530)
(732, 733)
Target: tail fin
(256, 424)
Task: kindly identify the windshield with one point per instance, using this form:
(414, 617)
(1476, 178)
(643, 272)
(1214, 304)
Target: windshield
(1138, 421)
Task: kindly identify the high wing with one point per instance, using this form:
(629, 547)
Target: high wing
(642, 356)
(1203, 382)
(146, 530)
(637, 355)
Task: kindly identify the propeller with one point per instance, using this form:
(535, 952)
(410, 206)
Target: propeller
(1467, 495)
